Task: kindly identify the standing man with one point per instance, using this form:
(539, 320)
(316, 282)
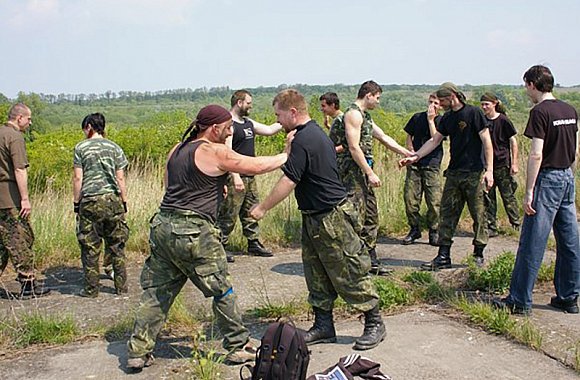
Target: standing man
(549, 201)
(466, 176)
(356, 163)
(100, 201)
(330, 107)
(242, 188)
(423, 176)
(332, 252)
(185, 241)
(16, 236)
(505, 163)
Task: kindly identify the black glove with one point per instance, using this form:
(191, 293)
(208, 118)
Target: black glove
(77, 207)
(125, 207)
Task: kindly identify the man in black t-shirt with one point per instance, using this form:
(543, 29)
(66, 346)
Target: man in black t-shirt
(243, 189)
(466, 176)
(423, 176)
(549, 201)
(332, 252)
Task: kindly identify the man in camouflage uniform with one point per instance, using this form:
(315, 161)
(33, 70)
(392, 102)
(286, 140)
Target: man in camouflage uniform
(330, 108)
(16, 236)
(423, 176)
(335, 262)
(466, 176)
(185, 241)
(242, 188)
(100, 200)
(356, 162)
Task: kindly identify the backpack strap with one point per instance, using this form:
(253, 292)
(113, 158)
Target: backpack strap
(266, 353)
(285, 348)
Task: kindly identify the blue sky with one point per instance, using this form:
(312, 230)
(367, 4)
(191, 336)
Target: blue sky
(91, 46)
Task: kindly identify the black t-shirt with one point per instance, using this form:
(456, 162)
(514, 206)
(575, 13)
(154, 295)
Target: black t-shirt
(312, 166)
(418, 128)
(555, 122)
(463, 129)
(243, 138)
(500, 130)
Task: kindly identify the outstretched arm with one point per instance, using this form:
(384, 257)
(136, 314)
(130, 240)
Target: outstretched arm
(389, 142)
(425, 150)
(281, 190)
(353, 121)
(266, 130)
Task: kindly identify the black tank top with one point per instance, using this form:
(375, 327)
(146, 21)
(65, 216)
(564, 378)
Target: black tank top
(243, 138)
(188, 187)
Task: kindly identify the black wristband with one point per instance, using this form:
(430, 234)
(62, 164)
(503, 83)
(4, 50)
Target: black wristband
(77, 206)
(125, 206)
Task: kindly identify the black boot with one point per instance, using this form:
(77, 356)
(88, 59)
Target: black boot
(413, 235)
(255, 248)
(377, 268)
(433, 237)
(323, 329)
(478, 255)
(374, 332)
(441, 261)
(30, 288)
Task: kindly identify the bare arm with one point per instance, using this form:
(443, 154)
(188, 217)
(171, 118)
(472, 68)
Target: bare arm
(532, 170)
(281, 190)
(409, 142)
(237, 180)
(22, 183)
(425, 150)
(353, 121)
(514, 152)
(165, 175)
(230, 161)
(77, 184)
(120, 176)
(266, 130)
(431, 114)
(488, 153)
(388, 141)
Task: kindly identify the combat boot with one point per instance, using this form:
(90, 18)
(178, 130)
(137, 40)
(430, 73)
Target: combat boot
(137, 364)
(255, 248)
(433, 237)
(30, 288)
(374, 331)
(441, 261)
(377, 268)
(323, 329)
(478, 255)
(413, 235)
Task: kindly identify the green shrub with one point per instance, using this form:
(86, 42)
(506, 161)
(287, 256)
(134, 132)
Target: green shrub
(390, 293)
(37, 328)
(495, 278)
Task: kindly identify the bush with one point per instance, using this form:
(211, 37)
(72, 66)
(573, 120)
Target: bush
(495, 278)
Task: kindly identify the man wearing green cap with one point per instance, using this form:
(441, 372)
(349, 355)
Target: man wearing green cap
(467, 174)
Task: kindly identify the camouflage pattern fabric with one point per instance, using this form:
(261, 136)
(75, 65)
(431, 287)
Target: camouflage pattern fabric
(99, 159)
(16, 239)
(346, 163)
(461, 187)
(335, 262)
(238, 204)
(101, 218)
(422, 180)
(336, 126)
(355, 181)
(507, 186)
(184, 246)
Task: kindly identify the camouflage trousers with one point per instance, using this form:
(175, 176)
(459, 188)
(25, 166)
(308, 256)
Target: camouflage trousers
(365, 201)
(184, 245)
(422, 180)
(16, 239)
(102, 217)
(462, 187)
(507, 186)
(334, 260)
(238, 204)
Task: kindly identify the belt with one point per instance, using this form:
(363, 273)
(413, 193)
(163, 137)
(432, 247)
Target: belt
(324, 211)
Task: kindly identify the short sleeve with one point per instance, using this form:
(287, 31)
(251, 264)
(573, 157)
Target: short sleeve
(18, 153)
(295, 166)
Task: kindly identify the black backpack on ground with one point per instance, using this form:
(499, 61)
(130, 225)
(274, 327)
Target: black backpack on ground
(283, 355)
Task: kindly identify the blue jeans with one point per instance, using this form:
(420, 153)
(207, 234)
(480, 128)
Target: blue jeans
(555, 207)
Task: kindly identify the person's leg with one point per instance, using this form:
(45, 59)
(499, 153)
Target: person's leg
(490, 203)
(89, 236)
(432, 187)
(536, 228)
(473, 192)
(229, 211)
(567, 271)
(116, 236)
(412, 193)
(507, 187)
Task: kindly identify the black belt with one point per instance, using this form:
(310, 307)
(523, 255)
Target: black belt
(324, 211)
